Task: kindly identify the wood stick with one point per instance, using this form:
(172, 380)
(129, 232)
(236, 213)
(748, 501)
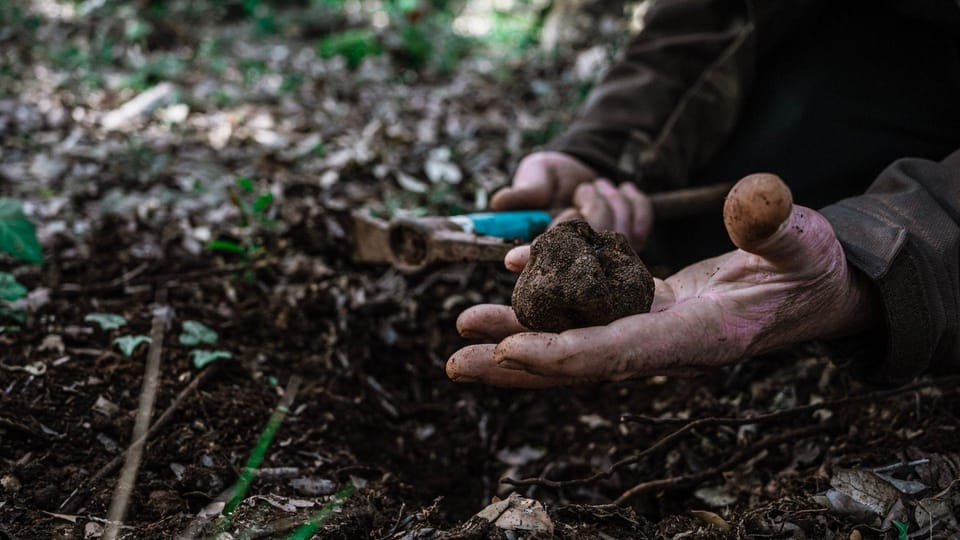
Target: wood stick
(161, 422)
(148, 395)
(689, 425)
(729, 463)
(687, 202)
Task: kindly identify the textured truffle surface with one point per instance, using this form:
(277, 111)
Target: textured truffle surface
(577, 277)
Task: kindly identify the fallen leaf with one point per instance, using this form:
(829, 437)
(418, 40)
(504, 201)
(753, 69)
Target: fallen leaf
(517, 513)
(106, 321)
(716, 496)
(194, 333)
(201, 357)
(711, 518)
(129, 344)
(520, 456)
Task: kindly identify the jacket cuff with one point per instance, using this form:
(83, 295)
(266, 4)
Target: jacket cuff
(898, 236)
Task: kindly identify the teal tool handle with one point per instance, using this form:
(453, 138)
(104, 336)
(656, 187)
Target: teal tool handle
(523, 225)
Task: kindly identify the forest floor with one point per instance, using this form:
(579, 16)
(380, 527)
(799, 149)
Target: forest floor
(185, 170)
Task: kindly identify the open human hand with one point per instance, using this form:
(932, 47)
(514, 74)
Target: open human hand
(788, 282)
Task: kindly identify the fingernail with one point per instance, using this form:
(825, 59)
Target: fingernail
(506, 363)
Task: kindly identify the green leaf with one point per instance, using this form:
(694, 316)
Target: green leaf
(225, 245)
(18, 237)
(195, 333)
(10, 288)
(201, 358)
(107, 321)
(263, 202)
(902, 529)
(245, 183)
(18, 315)
(353, 45)
(129, 344)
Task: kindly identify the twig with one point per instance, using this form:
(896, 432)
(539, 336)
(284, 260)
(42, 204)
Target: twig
(690, 425)
(780, 415)
(148, 395)
(171, 280)
(161, 422)
(738, 457)
(23, 428)
(106, 285)
(167, 280)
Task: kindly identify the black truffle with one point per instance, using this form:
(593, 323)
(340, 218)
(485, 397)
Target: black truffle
(577, 277)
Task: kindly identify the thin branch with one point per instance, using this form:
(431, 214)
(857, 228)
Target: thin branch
(148, 395)
(737, 458)
(690, 425)
(795, 411)
(71, 504)
(106, 285)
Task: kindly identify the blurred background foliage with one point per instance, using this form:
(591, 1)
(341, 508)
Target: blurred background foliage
(119, 96)
(427, 37)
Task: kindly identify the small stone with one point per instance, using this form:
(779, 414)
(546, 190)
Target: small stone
(577, 277)
(9, 483)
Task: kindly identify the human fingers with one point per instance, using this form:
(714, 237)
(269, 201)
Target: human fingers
(688, 335)
(516, 259)
(569, 214)
(543, 180)
(475, 364)
(489, 321)
(641, 213)
(620, 208)
(594, 207)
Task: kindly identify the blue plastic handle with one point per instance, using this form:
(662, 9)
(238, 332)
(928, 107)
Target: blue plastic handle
(523, 225)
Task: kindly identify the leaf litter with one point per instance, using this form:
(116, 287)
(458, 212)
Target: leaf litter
(126, 156)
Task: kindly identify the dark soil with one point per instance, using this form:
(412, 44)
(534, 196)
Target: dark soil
(126, 216)
(578, 278)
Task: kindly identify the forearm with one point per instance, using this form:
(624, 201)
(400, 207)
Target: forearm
(670, 103)
(904, 236)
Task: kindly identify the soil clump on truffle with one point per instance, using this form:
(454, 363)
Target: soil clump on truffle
(578, 277)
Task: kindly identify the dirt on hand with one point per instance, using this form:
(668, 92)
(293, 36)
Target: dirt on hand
(577, 277)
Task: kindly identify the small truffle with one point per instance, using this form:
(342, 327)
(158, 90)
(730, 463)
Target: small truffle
(577, 277)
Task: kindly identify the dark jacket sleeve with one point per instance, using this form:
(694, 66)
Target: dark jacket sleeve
(666, 107)
(904, 235)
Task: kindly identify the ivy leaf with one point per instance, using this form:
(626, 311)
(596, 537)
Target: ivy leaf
(107, 321)
(129, 344)
(195, 333)
(14, 314)
(18, 237)
(201, 358)
(10, 288)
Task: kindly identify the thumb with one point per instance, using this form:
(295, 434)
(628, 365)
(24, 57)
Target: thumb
(522, 197)
(761, 218)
